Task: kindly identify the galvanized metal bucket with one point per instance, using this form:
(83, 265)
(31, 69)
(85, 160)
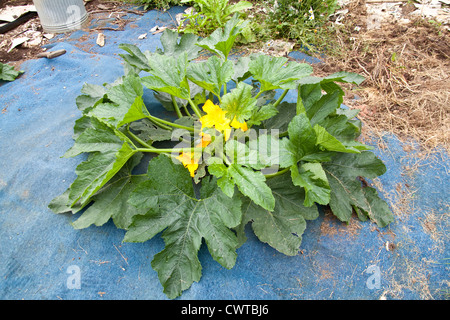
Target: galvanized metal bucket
(59, 16)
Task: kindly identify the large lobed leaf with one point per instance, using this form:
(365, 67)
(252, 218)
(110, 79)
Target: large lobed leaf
(222, 40)
(173, 208)
(7, 72)
(108, 149)
(168, 75)
(212, 74)
(272, 73)
(282, 227)
(347, 191)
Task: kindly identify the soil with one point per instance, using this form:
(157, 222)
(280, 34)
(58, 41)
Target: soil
(22, 53)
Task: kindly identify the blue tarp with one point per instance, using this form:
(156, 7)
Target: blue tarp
(42, 256)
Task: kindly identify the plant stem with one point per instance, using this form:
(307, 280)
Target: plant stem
(283, 134)
(195, 108)
(224, 88)
(156, 150)
(279, 173)
(186, 110)
(156, 122)
(168, 123)
(142, 142)
(175, 106)
(259, 93)
(281, 98)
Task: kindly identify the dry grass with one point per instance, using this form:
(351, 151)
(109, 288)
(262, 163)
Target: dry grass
(407, 70)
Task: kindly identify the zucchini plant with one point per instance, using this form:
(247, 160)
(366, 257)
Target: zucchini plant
(233, 153)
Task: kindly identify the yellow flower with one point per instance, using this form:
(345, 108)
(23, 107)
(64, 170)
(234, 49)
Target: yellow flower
(216, 117)
(204, 141)
(188, 161)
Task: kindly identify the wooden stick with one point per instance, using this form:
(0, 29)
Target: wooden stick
(51, 55)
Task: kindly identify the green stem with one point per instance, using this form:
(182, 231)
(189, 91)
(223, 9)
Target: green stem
(156, 122)
(168, 123)
(186, 110)
(224, 88)
(142, 142)
(281, 98)
(283, 134)
(279, 173)
(195, 108)
(156, 150)
(175, 106)
(259, 93)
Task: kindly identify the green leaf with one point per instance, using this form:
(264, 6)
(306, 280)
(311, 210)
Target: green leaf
(92, 95)
(126, 103)
(7, 72)
(376, 208)
(281, 228)
(239, 103)
(98, 137)
(365, 164)
(186, 44)
(221, 40)
(185, 221)
(241, 69)
(263, 113)
(252, 184)
(127, 91)
(347, 191)
(60, 204)
(237, 7)
(150, 132)
(312, 178)
(286, 111)
(168, 75)
(272, 74)
(96, 171)
(301, 142)
(341, 128)
(330, 143)
(135, 58)
(212, 74)
(342, 76)
(256, 157)
(346, 77)
(323, 107)
(111, 200)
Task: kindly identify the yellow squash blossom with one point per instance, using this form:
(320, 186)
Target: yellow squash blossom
(204, 141)
(189, 162)
(216, 117)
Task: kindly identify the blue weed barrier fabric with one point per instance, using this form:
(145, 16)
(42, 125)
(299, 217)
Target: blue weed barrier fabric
(43, 257)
